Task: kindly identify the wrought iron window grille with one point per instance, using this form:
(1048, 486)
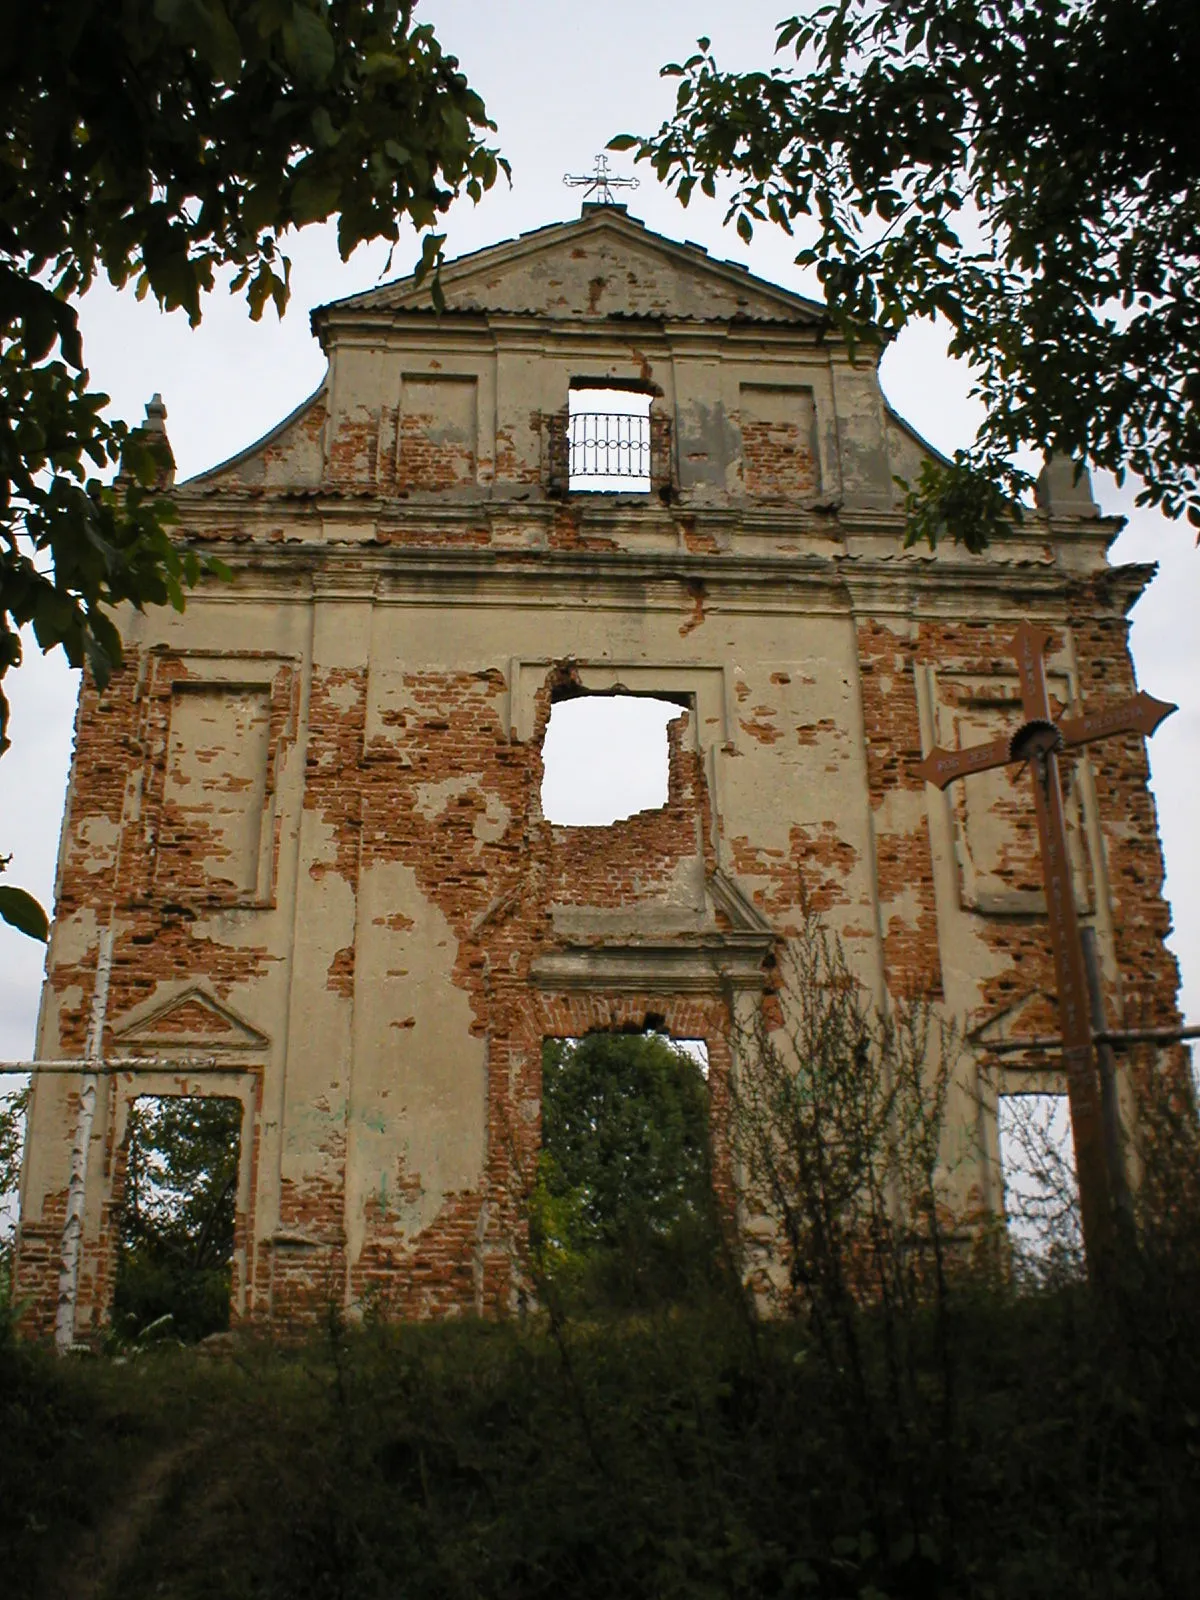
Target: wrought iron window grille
(610, 446)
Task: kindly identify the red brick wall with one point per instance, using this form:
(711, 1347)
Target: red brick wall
(494, 886)
(777, 460)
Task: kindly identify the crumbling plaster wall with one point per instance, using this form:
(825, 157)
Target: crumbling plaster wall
(377, 987)
(414, 888)
(514, 376)
(413, 885)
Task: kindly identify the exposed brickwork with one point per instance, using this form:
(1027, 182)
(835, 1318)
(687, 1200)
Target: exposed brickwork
(904, 864)
(697, 541)
(778, 460)
(353, 452)
(814, 870)
(513, 465)
(430, 458)
(555, 431)
(1148, 984)
(661, 469)
(411, 928)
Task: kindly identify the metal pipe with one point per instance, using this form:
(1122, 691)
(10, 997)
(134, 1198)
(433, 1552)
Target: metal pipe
(128, 1064)
(1113, 1036)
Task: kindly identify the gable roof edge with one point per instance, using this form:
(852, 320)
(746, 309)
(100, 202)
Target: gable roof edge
(401, 292)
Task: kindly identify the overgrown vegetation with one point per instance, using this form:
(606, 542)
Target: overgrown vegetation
(689, 1455)
(909, 1421)
(175, 1244)
(623, 1213)
(14, 1103)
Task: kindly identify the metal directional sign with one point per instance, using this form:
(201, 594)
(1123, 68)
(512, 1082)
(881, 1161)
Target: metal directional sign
(1038, 742)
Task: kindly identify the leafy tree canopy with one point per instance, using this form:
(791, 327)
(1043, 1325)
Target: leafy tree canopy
(1026, 169)
(157, 142)
(175, 1242)
(624, 1202)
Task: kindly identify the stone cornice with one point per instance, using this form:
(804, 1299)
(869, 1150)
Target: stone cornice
(900, 586)
(859, 527)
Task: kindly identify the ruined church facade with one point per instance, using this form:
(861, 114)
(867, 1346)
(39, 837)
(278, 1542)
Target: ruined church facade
(308, 808)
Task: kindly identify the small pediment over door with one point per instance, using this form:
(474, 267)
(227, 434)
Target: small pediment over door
(1030, 1016)
(192, 1018)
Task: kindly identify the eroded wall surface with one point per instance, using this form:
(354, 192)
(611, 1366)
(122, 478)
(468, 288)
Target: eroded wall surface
(309, 807)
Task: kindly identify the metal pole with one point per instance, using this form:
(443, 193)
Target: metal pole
(1110, 1110)
(1114, 1036)
(89, 1079)
(123, 1064)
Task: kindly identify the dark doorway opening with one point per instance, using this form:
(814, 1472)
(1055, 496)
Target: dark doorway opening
(175, 1238)
(624, 1212)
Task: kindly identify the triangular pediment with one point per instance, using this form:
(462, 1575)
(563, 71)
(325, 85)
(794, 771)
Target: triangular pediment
(605, 264)
(193, 1018)
(1031, 1016)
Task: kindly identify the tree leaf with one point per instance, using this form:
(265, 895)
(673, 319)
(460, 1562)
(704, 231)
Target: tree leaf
(309, 44)
(21, 911)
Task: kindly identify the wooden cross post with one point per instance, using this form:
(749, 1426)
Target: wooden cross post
(1038, 742)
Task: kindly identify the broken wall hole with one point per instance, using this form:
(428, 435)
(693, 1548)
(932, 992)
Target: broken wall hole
(609, 438)
(605, 758)
(624, 1212)
(1041, 1191)
(177, 1216)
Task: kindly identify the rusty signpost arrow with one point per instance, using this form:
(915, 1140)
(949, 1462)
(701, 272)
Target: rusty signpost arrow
(1038, 742)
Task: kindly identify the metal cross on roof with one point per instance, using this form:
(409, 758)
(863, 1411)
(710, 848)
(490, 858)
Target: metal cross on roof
(600, 184)
(1037, 743)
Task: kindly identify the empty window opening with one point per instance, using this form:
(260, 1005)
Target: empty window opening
(1041, 1193)
(605, 758)
(624, 1212)
(14, 1108)
(176, 1224)
(609, 440)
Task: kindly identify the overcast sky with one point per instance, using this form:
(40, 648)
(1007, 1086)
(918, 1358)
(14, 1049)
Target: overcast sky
(560, 79)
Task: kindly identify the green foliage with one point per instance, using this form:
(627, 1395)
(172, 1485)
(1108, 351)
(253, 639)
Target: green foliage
(157, 142)
(177, 1223)
(1026, 171)
(21, 910)
(838, 1121)
(623, 1209)
(14, 1105)
(678, 1457)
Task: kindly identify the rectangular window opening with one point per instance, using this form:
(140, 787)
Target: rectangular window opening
(177, 1218)
(14, 1110)
(606, 758)
(624, 1210)
(609, 440)
(1041, 1192)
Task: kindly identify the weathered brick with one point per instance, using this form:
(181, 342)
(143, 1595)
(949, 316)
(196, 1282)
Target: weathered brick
(403, 619)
